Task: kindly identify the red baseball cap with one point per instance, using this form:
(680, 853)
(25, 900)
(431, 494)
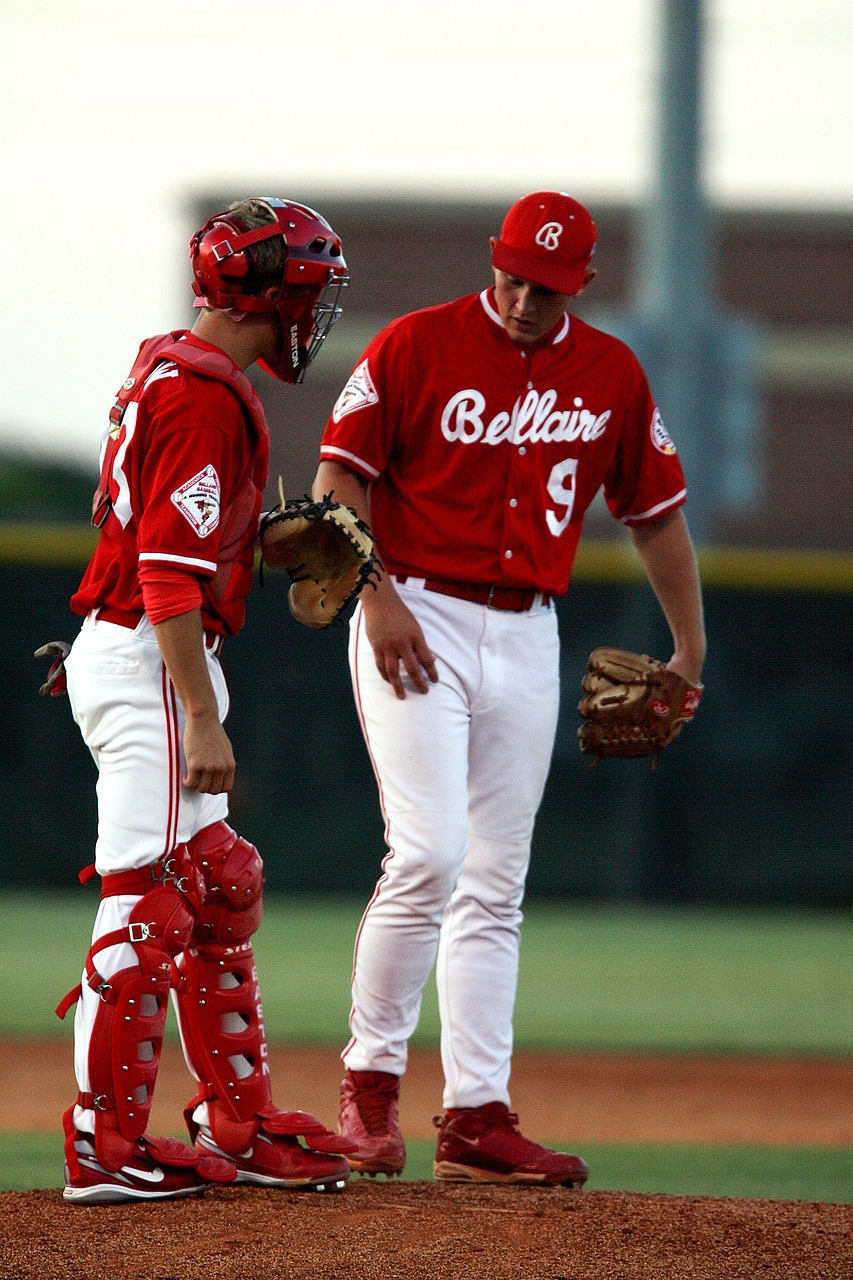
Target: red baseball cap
(549, 238)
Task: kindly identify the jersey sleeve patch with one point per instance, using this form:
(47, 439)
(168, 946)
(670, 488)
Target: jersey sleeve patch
(357, 394)
(199, 501)
(661, 438)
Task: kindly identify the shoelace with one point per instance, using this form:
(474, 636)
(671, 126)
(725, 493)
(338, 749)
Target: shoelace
(373, 1107)
(511, 1123)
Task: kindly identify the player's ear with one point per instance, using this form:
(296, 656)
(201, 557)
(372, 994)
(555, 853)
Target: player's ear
(588, 277)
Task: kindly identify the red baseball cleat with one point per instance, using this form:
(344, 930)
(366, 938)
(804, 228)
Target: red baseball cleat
(483, 1144)
(368, 1117)
(158, 1169)
(276, 1157)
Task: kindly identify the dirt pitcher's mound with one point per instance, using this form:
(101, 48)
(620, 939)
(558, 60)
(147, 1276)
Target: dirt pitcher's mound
(422, 1231)
(376, 1230)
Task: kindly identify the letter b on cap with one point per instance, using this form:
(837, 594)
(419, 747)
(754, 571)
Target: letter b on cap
(549, 235)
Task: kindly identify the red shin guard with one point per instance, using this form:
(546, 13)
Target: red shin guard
(127, 1035)
(219, 1006)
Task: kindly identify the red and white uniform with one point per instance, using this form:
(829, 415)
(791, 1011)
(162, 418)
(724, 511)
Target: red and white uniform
(482, 456)
(184, 469)
(446, 414)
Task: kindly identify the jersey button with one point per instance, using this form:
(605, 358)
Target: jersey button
(522, 449)
(507, 555)
(513, 502)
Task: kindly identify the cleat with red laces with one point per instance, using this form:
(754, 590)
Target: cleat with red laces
(484, 1144)
(368, 1117)
(156, 1169)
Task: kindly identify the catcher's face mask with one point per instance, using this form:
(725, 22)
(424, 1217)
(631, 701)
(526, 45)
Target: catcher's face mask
(314, 273)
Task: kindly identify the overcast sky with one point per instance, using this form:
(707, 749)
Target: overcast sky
(117, 113)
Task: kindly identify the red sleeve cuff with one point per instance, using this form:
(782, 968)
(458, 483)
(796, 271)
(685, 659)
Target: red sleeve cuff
(170, 594)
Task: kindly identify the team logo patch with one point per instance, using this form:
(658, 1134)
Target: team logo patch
(660, 436)
(357, 394)
(198, 501)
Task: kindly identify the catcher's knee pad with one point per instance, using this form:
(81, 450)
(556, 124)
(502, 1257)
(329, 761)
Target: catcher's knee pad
(232, 872)
(127, 1034)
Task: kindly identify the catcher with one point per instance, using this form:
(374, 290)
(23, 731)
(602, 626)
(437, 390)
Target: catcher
(184, 462)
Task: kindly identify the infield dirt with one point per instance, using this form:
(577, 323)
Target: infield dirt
(560, 1096)
(378, 1230)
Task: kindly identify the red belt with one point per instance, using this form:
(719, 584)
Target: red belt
(128, 618)
(121, 617)
(509, 599)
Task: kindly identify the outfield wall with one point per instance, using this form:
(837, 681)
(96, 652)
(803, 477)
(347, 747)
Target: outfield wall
(753, 804)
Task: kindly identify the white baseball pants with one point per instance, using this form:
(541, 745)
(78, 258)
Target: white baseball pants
(132, 722)
(461, 771)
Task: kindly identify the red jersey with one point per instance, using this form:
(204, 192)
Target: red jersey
(483, 454)
(186, 464)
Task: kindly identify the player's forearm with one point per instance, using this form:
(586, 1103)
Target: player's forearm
(181, 641)
(207, 748)
(668, 557)
(348, 487)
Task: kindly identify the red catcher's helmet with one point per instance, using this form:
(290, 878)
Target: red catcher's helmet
(224, 267)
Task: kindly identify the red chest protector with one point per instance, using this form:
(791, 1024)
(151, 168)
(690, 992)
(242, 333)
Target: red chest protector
(238, 517)
(211, 364)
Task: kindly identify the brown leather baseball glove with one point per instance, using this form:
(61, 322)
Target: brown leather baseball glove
(326, 550)
(632, 705)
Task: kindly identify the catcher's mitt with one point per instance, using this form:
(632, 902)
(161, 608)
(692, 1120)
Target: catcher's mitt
(326, 550)
(632, 705)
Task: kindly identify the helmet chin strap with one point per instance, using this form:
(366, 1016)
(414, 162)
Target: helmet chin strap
(289, 364)
(302, 334)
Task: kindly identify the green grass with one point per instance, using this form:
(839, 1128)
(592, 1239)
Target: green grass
(707, 980)
(30, 1161)
(605, 978)
(592, 978)
(34, 1161)
(775, 1173)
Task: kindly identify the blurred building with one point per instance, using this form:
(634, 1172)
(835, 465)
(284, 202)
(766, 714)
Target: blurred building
(790, 274)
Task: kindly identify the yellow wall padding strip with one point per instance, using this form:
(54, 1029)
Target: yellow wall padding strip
(598, 560)
(734, 568)
(46, 544)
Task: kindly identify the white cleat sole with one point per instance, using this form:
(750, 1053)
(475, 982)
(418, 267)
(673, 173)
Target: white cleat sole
(108, 1193)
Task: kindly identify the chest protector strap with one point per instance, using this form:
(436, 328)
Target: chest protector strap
(171, 346)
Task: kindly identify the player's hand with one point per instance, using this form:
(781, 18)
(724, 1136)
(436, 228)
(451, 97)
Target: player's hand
(210, 757)
(398, 643)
